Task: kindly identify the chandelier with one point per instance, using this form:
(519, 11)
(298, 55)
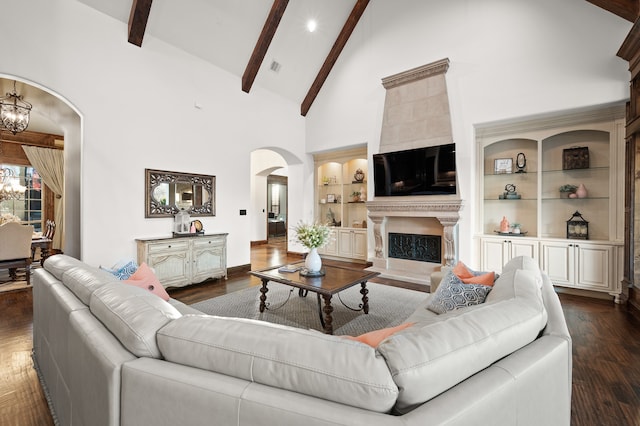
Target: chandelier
(14, 112)
(10, 189)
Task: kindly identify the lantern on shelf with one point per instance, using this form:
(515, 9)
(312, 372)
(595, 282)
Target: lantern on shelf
(577, 227)
(181, 222)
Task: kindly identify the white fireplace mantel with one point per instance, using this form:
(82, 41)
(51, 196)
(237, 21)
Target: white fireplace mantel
(446, 211)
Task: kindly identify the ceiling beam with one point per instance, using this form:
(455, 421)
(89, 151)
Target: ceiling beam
(263, 43)
(138, 20)
(626, 9)
(333, 55)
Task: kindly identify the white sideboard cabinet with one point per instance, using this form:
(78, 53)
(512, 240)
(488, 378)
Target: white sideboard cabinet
(523, 168)
(181, 261)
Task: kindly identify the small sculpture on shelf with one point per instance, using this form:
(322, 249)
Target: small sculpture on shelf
(509, 193)
(331, 218)
(358, 176)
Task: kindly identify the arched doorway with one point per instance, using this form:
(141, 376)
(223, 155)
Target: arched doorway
(51, 116)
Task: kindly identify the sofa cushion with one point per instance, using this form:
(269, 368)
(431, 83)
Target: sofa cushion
(84, 280)
(133, 315)
(524, 262)
(452, 294)
(183, 308)
(57, 264)
(304, 361)
(427, 359)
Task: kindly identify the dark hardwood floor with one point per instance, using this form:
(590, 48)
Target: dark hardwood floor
(606, 351)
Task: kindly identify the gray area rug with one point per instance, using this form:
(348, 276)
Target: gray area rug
(388, 306)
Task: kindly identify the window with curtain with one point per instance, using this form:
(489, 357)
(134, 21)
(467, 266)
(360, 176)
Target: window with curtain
(29, 207)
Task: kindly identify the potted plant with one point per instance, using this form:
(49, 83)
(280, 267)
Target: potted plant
(312, 236)
(515, 228)
(355, 195)
(566, 190)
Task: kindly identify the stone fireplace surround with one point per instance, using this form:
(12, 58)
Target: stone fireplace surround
(416, 114)
(386, 214)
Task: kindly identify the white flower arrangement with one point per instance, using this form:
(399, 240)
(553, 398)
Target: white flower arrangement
(313, 235)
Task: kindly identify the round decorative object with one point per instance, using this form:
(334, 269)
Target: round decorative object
(198, 225)
(359, 175)
(510, 188)
(313, 262)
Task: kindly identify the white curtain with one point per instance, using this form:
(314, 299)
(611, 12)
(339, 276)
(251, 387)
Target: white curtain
(50, 166)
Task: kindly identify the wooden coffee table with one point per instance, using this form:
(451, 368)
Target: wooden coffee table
(335, 280)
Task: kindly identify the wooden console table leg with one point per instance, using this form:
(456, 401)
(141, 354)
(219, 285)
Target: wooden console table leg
(328, 319)
(365, 300)
(263, 295)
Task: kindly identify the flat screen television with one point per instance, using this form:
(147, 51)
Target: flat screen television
(422, 171)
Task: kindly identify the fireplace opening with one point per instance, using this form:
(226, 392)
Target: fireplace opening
(421, 248)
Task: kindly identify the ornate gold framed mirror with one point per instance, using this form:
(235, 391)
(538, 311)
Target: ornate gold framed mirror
(166, 193)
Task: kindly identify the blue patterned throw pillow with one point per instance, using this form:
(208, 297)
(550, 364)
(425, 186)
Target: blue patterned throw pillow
(452, 294)
(123, 272)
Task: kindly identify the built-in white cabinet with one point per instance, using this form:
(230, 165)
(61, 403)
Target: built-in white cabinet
(522, 167)
(181, 261)
(341, 192)
(498, 251)
(352, 243)
(579, 264)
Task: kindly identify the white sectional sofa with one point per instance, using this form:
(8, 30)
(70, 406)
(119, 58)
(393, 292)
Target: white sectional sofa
(112, 354)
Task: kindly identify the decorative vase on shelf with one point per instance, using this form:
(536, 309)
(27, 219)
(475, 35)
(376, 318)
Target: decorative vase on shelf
(504, 225)
(313, 262)
(581, 192)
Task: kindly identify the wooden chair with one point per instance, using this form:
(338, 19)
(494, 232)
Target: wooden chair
(50, 229)
(15, 250)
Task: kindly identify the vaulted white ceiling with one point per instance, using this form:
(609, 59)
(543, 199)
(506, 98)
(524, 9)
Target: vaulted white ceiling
(225, 32)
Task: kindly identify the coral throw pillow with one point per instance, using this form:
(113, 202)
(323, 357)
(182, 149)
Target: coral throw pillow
(462, 271)
(468, 276)
(374, 338)
(145, 278)
(484, 279)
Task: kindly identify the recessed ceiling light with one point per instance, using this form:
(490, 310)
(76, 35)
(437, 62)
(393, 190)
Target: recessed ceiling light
(312, 25)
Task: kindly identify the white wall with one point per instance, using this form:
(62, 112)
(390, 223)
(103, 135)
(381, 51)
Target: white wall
(138, 109)
(508, 58)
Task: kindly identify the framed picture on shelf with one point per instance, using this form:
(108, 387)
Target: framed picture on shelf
(331, 198)
(503, 165)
